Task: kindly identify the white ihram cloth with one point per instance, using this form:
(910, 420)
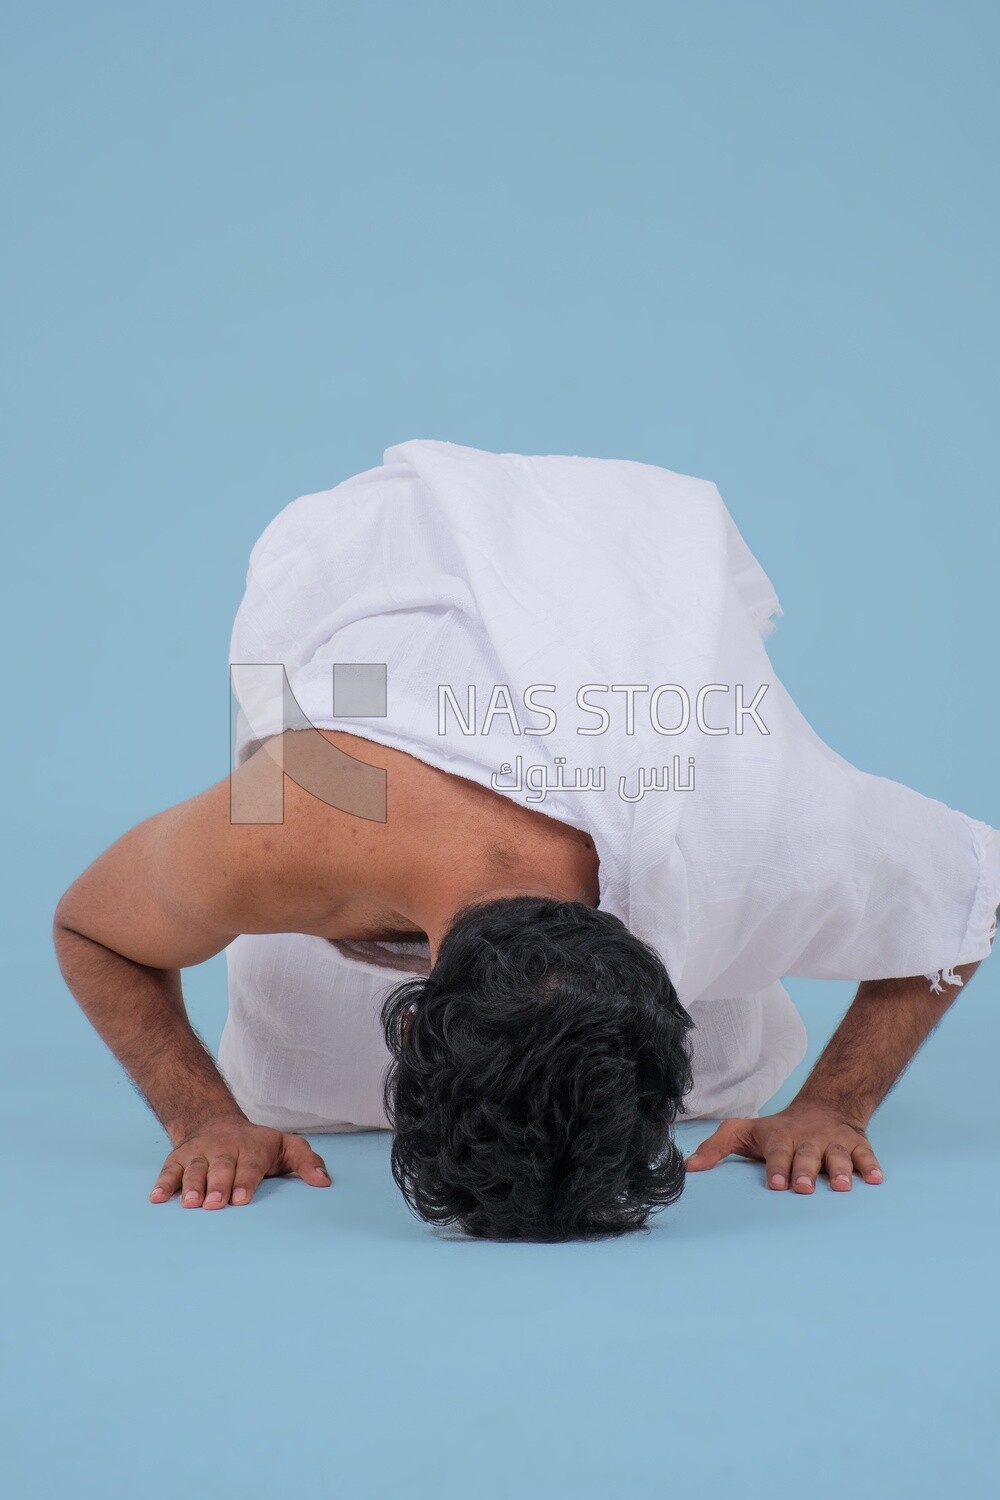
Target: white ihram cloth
(460, 567)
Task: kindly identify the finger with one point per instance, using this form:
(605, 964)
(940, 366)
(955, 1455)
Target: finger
(839, 1168)
(866, 1162)
(249, 1175)
(221, 1172)
(716, 1147)
(299, 1158)
(193, 1182)
(778, 1163)
(167, 1183)
(806, 1163)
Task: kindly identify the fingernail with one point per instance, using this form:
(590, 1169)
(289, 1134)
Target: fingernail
(803, 1182)
(157, 1193)
(239, 1195)
(777, 1181)
(842, 1180)
(322, 1172)
(191, 1197)
(214, 1197)
(875, 1175)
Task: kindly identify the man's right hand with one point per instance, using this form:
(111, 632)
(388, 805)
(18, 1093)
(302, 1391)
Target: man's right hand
(225, 1160)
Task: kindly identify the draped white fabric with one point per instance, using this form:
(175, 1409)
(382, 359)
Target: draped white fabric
(499, 572)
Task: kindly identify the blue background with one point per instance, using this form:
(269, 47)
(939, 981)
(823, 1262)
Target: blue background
(247, 246)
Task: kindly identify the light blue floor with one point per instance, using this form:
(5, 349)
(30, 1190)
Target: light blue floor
(327, 1343)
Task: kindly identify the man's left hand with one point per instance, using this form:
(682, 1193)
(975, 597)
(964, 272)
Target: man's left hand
(796, 1146)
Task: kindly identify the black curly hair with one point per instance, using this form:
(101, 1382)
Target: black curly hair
(535, 1075)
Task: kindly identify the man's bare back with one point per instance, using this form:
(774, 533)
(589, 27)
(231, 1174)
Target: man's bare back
(442, 836)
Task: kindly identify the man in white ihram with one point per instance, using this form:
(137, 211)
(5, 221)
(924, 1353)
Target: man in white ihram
(522, 838)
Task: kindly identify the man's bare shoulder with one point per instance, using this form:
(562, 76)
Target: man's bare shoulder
(180, 885)
(319, 844)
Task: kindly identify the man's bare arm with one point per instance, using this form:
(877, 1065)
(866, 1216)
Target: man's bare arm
(172, 892)
(879, 1036)
(824, 1129)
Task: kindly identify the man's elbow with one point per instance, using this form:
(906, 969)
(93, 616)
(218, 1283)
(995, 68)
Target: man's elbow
(69, 918)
